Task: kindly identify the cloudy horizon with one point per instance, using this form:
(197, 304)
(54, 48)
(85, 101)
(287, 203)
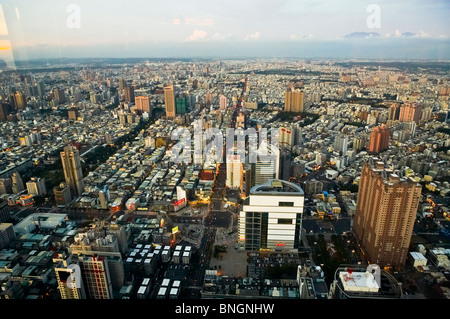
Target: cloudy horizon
(401, 29)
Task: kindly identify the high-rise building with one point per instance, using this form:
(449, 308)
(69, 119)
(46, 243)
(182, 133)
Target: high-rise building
(386, 210)
(96, 98)
(5, 185)
(129, 93)
(5, 214)
(100, 242)
(410, 112)
(122, 117)
(223, 102)
(298, 133)
(7, 234)
(285, 165)
(266, 167)
(70, 284)
(73, 174)
(122, 84)
(208, 98)
(427, 114)
(96, 277)
(143, 104)
(394, 112)
(341, 143)
(5, 110)
(372, 117)
(17, 183)
(286, 137)
(379, 139)
(293, 100)
(195, 84)
(169, 101)
(247, 179)
(131, 118)
(63, 195)
(359, 142)
(36, 186)
(40, 89)
(235, 172)
(59, 96)
(271, 217)
(181, 104)
(29, 90)
(19, 100)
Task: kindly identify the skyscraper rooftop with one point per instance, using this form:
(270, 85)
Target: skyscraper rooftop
(275, 186)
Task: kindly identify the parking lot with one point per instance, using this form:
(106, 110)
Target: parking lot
(232, 263)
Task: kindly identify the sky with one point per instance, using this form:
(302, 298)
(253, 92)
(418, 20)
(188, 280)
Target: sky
(235, 28)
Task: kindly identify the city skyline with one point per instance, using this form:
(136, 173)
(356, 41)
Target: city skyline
(238, 152)
(217, 223)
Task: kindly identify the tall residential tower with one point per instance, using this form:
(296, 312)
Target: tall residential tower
(386, 210)
(169, 100)
(293, 101)
(379, 139)
(73, 174)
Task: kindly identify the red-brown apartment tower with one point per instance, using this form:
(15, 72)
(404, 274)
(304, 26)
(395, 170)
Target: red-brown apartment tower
(385, 214)
(410, 112)
(379, 139)
(143, 104)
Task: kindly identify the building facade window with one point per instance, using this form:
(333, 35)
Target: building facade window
(285, 221)
(290, 204)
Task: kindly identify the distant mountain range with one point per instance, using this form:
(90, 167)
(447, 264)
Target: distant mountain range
(361, 35)
(408, 34)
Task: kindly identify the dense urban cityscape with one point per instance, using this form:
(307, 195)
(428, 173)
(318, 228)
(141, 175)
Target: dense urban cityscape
(248, 157)
(360, 176)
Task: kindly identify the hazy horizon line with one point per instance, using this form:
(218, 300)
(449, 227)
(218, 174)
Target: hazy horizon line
(377, 49)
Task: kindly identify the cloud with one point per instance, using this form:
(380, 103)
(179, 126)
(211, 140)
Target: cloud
(197, 35)
(197, 21)
(420, 34)
(176, 21)
(253, 36)
(423, 34)
(220, 36)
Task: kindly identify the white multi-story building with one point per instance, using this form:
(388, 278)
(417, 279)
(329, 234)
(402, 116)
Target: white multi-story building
(271, 217)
